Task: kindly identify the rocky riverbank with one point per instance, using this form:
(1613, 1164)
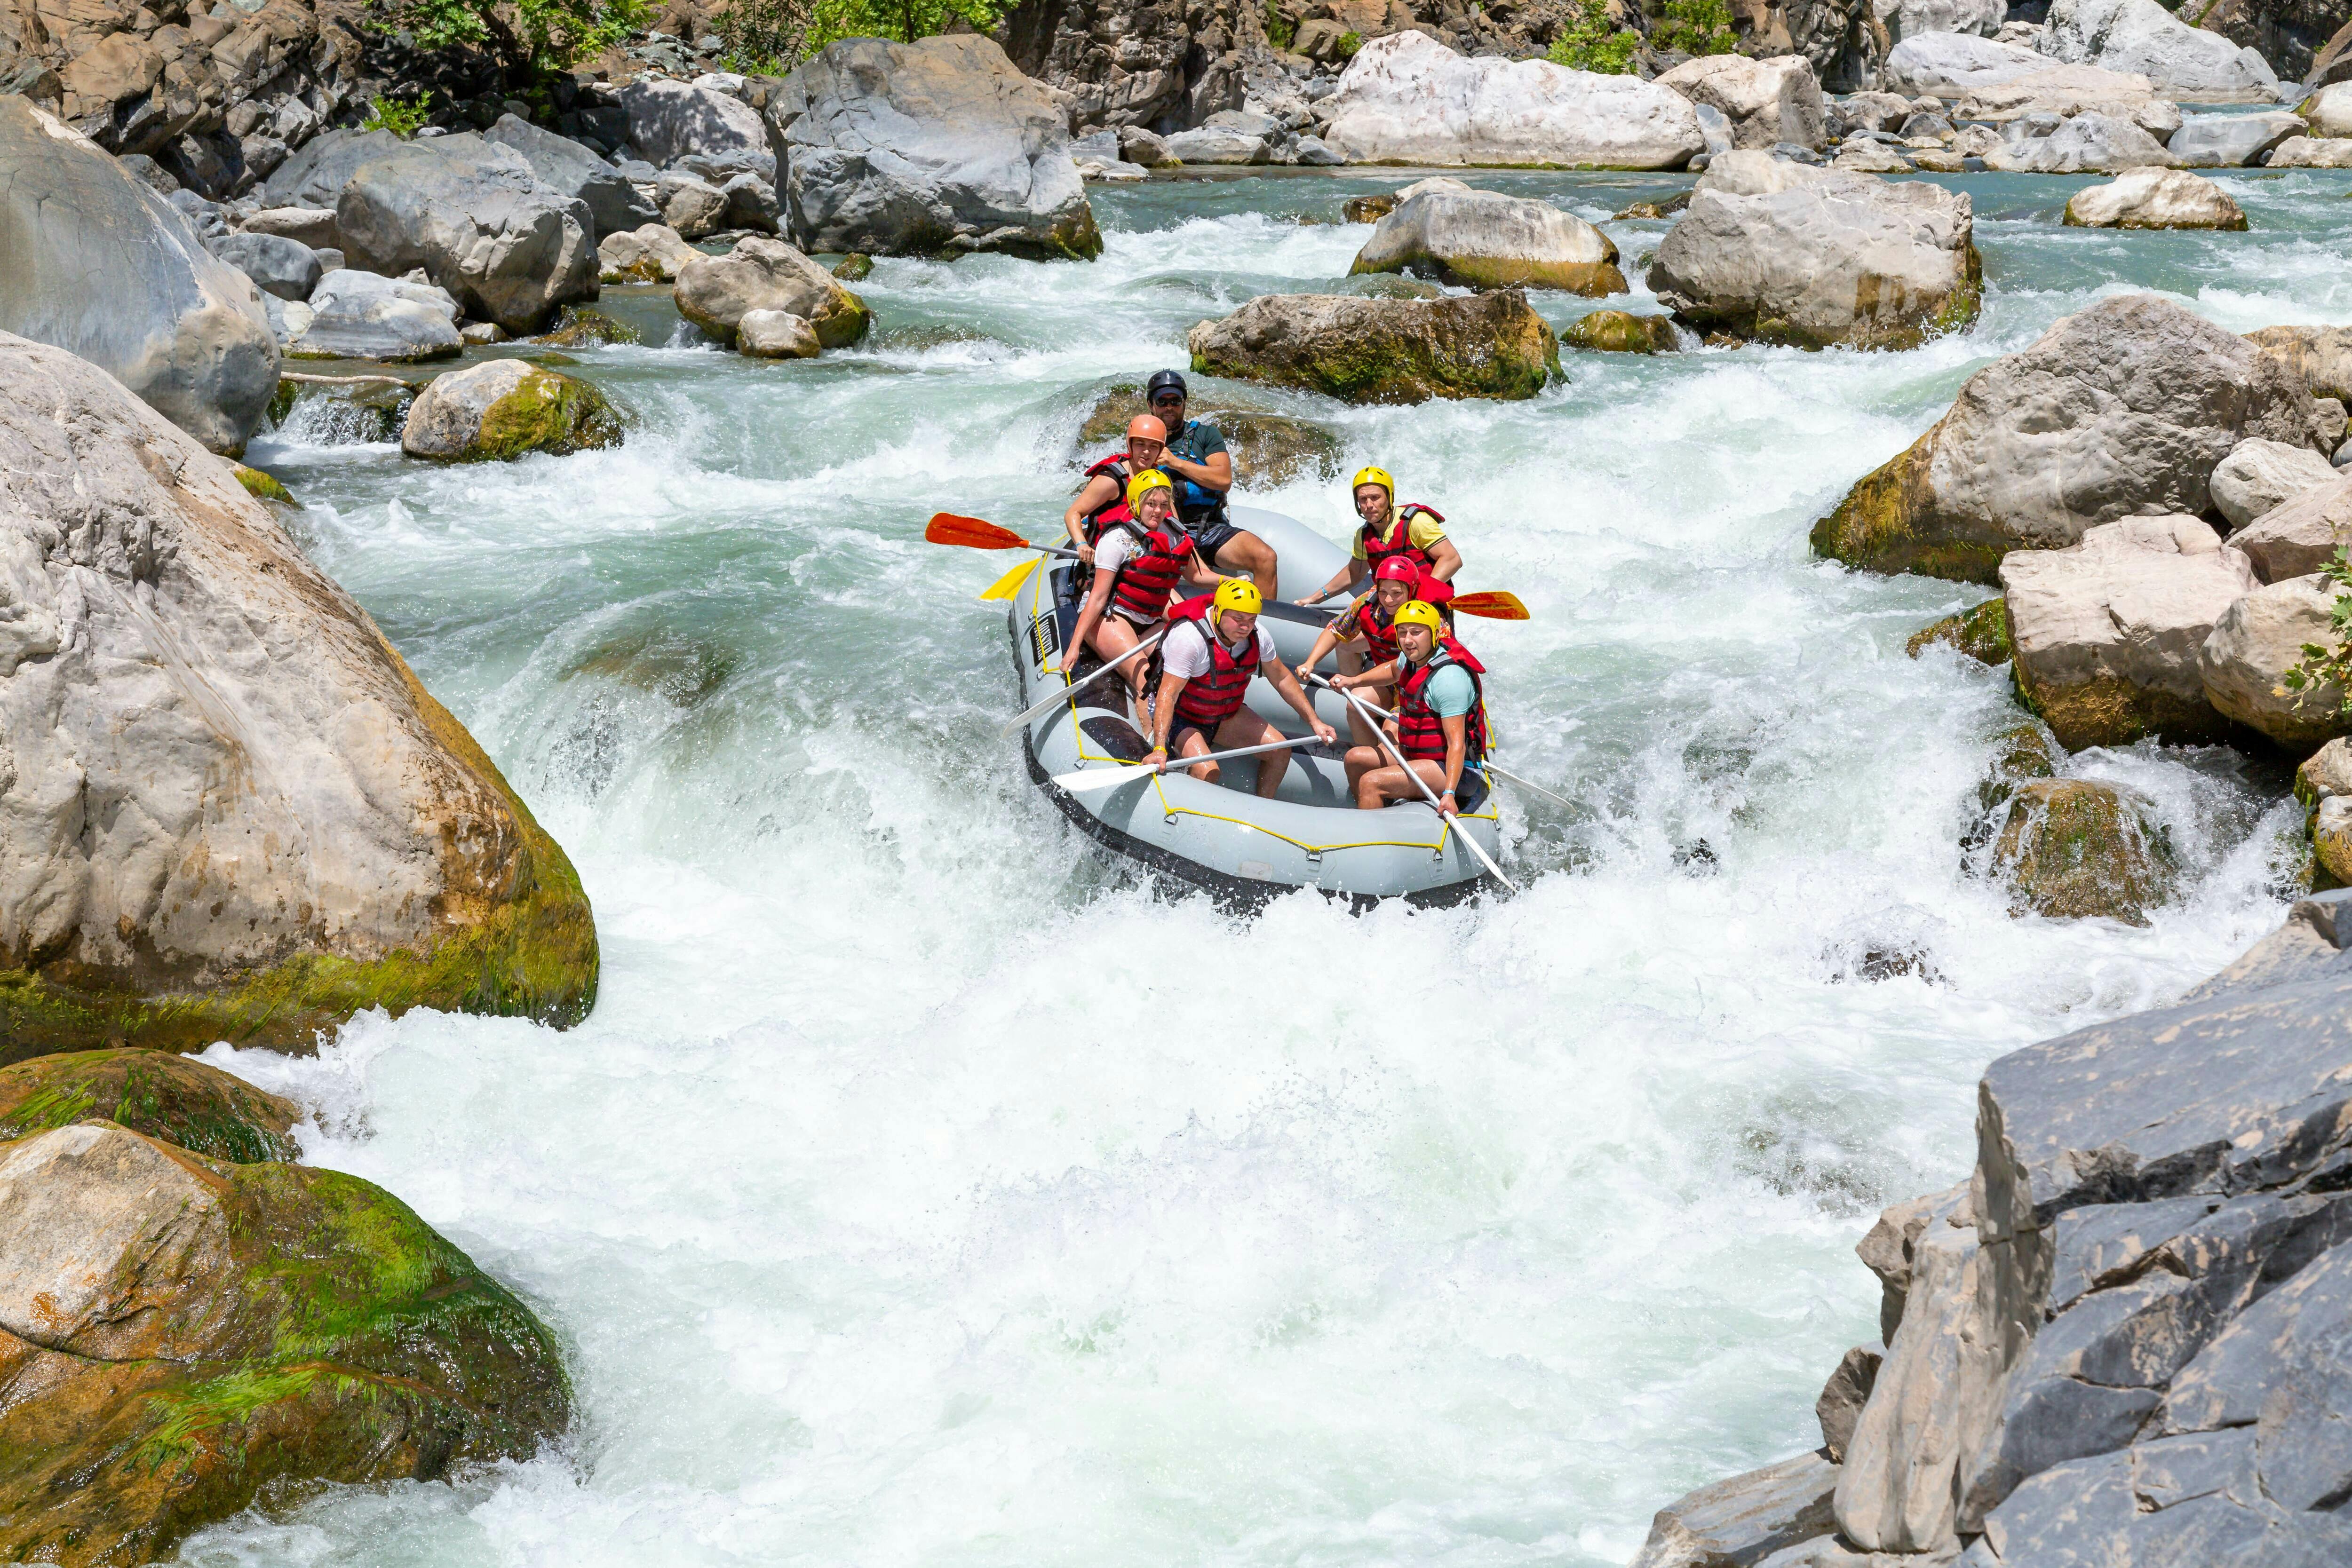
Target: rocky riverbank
(2124, 1338)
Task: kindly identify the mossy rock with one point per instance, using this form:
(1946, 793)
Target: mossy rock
(237, 1332)
(504, 408)
(1369, 209)
(1621, 332)
(1490, 345)
(2019, 752)
(1268, 448)
(263, 486)
(1981, 633)
(2075, 849)
(364, 411)
(670, 666)
(578, 328)
(183, 1101)
(855, 268)
(1389, 285)
(1884, 524)
(1654, 211)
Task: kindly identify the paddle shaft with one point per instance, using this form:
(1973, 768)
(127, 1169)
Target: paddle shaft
(1129, 772)
(1487, 763)
(1426, 792)
(1075, 687)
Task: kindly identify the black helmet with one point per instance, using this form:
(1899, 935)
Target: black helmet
(1163, 380)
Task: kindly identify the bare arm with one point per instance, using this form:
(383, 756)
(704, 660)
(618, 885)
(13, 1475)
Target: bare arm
(1096, 493)
(1445, 560)
(1457, 743)
(1164, 715)
(1347, 576)
(1216, 473)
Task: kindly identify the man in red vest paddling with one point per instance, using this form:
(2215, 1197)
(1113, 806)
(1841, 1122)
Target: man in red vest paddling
(1211, 653)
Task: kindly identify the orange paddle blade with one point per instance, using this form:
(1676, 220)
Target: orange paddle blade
(947, 528)
(1500, 604)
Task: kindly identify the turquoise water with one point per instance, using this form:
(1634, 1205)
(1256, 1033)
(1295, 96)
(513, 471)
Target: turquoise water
(927, 1189)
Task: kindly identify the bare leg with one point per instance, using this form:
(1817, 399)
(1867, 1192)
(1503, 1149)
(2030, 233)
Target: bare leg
(1385, 786)
(1247, 552)
(1245, 728)
(1114, 635)
(1196, 744)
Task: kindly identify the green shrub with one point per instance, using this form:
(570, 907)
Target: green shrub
(1279, 30)
(1589, 44)
(1348, 45)
(1694, 28)
(2320, 665)
(403, 118)
(537, 36)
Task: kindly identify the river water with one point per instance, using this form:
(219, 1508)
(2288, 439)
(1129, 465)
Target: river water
(928, 1190)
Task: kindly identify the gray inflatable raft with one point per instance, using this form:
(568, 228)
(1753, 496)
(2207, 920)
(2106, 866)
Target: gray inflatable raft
(1221, 836)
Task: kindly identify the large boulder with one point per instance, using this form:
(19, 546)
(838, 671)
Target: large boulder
(695, 207)
(182, 1337)
(164, 1095)
(2143, 37)
(312, 226)
(2146, 198)
(1480, 239)
(470, 213)
(2088, 143)
(367, 315)
(2065, 92)
(2076, 849)
(2231, 141)
(653, 252)
(1818, 256)
(2121, 409)
(2258, 476)
(2328, 111)
(936, 146)
(759, 274)
(1268, 449)
(565, 166)
(670, 122)
(1766, 102)
(1950, 63)
(1744, 1518)
(285, 267)
(1383, 351)
(1407, 98)
(1218, 145)
(2299, 536)
(501, 410)
(100, 266)
(1907, 19)
(2321, 356)
(2257, 643)
(315, 175)
(2312, 153)
(2105, 634)
(262, 829)
(775, 335)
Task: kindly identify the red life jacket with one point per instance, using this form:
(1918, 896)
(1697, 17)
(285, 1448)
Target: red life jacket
(1144, 580)
(1420, 732)
(1208, 700)
(1101, 518)
(1378, 549)
(1364, 619)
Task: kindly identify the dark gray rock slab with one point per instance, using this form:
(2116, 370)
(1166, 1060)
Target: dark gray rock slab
(285, 267)
(2231, 141)
(613, 203)
(1737, 1522)
(1843, 1398)
(315, 175)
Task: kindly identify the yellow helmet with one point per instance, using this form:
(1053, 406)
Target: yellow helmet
(1419, 612)
(1380, 476)
(1238, 594)
(1150, 479)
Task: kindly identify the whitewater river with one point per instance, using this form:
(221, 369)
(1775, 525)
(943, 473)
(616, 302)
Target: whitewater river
(928, 1190)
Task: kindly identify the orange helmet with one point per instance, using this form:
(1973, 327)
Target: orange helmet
(1143, 427)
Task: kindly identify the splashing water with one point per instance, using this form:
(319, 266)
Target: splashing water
(929, 1189)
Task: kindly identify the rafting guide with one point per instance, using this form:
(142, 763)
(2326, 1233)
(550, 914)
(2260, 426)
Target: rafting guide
(1207, 662)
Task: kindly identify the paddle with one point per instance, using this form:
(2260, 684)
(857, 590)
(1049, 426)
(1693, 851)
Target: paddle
(1491, 605)
(1426, 792)
(1112, 778)
(1008, 585)
(1486, 763)
(975, 533)
(1075, 687)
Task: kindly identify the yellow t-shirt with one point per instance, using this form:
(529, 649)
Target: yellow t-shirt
(1422, 532)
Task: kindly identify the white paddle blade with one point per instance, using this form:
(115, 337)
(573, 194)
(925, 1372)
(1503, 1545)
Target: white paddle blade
(1103, 777)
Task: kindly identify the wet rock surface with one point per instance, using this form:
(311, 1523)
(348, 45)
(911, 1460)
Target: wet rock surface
(1479, 239)
(1383, 351)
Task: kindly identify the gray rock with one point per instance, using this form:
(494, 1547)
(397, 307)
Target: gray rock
(366, 316)
(313, 226)
(2086, 143)
(2259, 476)
(564, 165)
(936, 146)
(751, 204)
(1766, 101)
(288, 269)
(1482, 239)
(1954, 64)
(715, 292)
(503, 408)
(1911, 18)
(670, 122)
(1736, 1521)
(2141, 36)
(1138, 145)
(2301, 534)
(1314, 152)
(1875, 111)
(315, 175)
(1714, 126)
(2120, 409)
(2064, 91)
(480, 223)
(775, 335)
(101, 267)
(2184, 1501)
(2257, 640)
(1843, 1398)
(695, 207)
(652, 254)
(2229, 141)
(1215, 145)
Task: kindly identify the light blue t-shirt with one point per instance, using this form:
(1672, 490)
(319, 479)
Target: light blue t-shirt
(1450, 692)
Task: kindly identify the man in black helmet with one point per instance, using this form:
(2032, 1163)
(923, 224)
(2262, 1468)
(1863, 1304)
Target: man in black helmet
(1203, 471)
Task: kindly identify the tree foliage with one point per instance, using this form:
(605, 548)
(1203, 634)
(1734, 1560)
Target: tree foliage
(1694, 27)
(1590, 44)
(2321, 665)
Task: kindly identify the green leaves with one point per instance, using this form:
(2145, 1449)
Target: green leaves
(2320, 665)
(403, 117)
(1589, 44)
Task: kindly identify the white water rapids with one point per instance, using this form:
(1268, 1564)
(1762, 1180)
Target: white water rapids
(927, 1189)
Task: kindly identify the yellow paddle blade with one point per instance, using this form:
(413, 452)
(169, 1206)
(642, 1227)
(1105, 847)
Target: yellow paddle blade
(1008, 585)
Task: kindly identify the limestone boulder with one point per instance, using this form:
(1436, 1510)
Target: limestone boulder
(2106, 633)
(367, 315)
(315, 174)
(2155, 198)
(1907, 19)
(2072, 849)
(1480, 239)
(2123, 409)
(1746, 1518)
(651, 253)
(1980, 634)
(2257, 643)
(695, 207)
(1383, 351)
(470, 213)
(1407, 98)
(670, 122)
(181, 1337)
(2312, 153)
(2064, 91)
(2231, 141)
(751, 204)
(234, 813)
(311, 226)
(759, 274)
(1821, 257)
(1768, 101)
(2143, 37)
(100, 266)
(176, 1098)
(2258, 476)
(1218, 145)
(2321, 356)
(570, 169)
(775, 335)
(495, 412)
(939, 146)
(1950, 64)
(2328, 111)
(2301, 534)
(2088, 143)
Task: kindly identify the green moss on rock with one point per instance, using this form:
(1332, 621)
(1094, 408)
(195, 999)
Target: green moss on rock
(1884, 524)
(2075, 849)
(547, 413)
(189, 1104)
(1622, 332)
(576, 326)
(263, 486)
(855, 268)
(1981, 633)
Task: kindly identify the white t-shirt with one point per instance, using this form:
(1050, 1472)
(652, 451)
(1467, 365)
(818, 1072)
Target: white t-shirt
(1186, 652)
